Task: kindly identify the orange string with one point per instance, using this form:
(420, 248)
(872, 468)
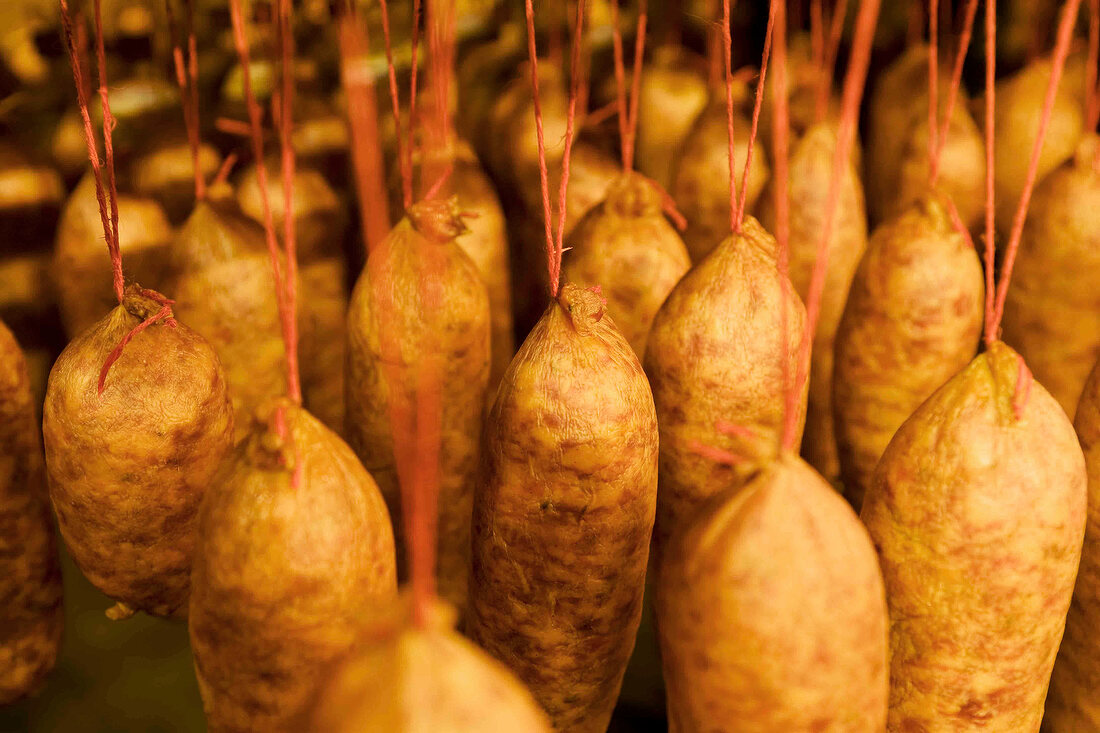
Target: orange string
(193, 72)
(933, 82)
(403, 160)
(286, 127)
(188, 101)
(953, 91)
(1022, 392)
(1092, 105)
(636, 82)
(718, 455)
(727, 48)
(854, 80)
(544, 181)
(362, 112)
(781, 142)
(554, 244)
(441, 52)
(1092, 94)
(714, 43)
(109, 234)
(628, 117)
(574, 88)
(281, 288)
(817, 34)
(668, 206)
(108, 144)
(990, 96)
(620, 81)
(413, 73)
(223, 171)
(165, 314)
(828, 63)
(755, 121)
(957, 223)
(1061, 51)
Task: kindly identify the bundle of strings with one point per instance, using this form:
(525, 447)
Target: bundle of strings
(825, 49)
(852, 95)
(108, 209)
(555, 235)
(362, 113)
(285, 285)
(994, 308)
(187, 78)
(628, 110)
(737, 203)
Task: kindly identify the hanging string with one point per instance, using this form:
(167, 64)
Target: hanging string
(284, 287)
(188, 96)
(362, 113)
(108, 134)
(781, 142)
(953, 91)
(828, 62)
(727, 49)
(990, 96)
(1061, 51)
(256, 131)
(441, 55)
(851, 97)
(164, 313)
(933, 80)
(628, 116)
(109, 232)
(554, 242)
(714, 43)
(755, 121)
(404, 138)
(817, 34)
(286, 128)
(1092, 92)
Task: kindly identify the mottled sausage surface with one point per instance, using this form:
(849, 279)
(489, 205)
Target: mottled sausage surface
(1052, 312)
(977, 511)
(771, 612)
(811, 167)
(627, 247)
(407, 679)
(128, 468)
(284, 575)
(397, 330)
(912, 320)
(30, 577)
(1073, 704)
(563, 512)
(715, 354)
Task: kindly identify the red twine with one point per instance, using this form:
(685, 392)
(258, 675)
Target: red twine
(854, 79)
(628, 118)
(1061, 51)
(554, 244)
(285, 290)
(164, 313)
(990, 96)
(187, 73)
(109, 220)
(366, 153)
(1022, 393)
(933, 82)
(727, 47)
(755, 121)
(953, 91)
(404, 146)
